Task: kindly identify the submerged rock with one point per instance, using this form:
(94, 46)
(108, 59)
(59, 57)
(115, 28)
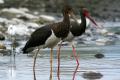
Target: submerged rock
(99, 55)
(92, 75)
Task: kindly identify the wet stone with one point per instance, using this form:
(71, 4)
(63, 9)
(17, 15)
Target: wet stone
(92, 75)
(99, 55)
(2, 46)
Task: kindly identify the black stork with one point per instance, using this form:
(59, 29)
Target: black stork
(49, 35)
(75, 31)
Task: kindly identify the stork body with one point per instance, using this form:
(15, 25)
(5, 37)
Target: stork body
(75, 31)
(49, 35)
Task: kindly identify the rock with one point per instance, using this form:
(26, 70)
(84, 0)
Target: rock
(8, 15)
(99, 55)
(48, 17)
(2, 37)
(2, 46)
(24, 9)
(2, 29)
(42, 21)
(104, 41)
(5, 52)
(1, 1)
(12, 10)
(1, 25)
(16, 12)
(92, 75)
(24, 18)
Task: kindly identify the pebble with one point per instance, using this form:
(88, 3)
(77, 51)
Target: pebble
(2, 46)
(92, 75)
(99, 55)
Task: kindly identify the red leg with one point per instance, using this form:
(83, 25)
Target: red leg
(58, 56)
(77, 61)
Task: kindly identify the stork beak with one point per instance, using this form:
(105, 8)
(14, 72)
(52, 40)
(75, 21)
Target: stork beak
(92, 20)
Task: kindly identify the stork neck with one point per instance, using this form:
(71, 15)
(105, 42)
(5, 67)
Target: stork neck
(61, 29)
(79, 29)
(83, 20)
(66, 18)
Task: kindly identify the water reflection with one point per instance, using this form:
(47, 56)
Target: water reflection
(12, 72)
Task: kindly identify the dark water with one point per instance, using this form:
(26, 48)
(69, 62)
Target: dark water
(109, 66)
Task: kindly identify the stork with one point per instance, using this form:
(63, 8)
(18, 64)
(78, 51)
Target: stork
(75, 31)
(49, 35)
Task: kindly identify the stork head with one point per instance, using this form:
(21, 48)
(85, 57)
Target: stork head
(86, 13)
(69, 11)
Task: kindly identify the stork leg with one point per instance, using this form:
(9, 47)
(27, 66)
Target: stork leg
(34, 62)
(77, 61)
(58, 56)
(51, 61)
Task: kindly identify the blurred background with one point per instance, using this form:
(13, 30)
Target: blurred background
(105, 9)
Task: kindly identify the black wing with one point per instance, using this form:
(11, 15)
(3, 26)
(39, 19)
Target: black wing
(38, 37)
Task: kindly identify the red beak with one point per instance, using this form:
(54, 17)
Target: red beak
(92, 20)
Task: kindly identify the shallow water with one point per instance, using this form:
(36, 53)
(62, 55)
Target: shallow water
(109, 66)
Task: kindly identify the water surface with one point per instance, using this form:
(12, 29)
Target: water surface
(109, 66)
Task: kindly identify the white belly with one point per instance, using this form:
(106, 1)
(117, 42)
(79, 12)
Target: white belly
(51, 41)
(69, 38)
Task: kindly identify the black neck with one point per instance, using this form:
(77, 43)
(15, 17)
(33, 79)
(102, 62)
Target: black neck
(79, 29)
(66, 18)
(61, 29)
(83, 21)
